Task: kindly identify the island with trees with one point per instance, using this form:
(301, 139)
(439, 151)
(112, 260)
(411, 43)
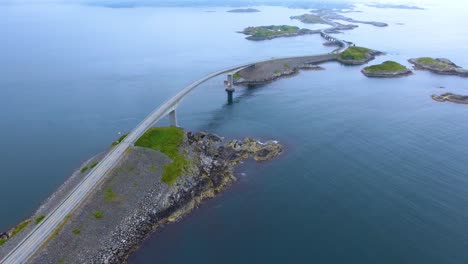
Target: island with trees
(387, 69)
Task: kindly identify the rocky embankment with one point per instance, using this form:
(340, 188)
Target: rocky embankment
(266, 72)
(133, 201)
(387, 69)
(438, 66)
(450, 97)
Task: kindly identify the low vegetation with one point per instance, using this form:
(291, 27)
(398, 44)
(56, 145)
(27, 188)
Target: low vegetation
(15, 231)
(237, 76)
(121, 138)
(269, 32)
(110, 195)
(355, 54)
(76, 231)
(39, 219)
(93, 165)
(97, 214)
(167, 140)
(387, 66)
(84, 169)
(309, 19)
(433, 63)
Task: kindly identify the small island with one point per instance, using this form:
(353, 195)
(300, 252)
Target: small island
(271, 32)
(244, 10)
(357, 55)
(439, 66)
(450, 97)
(387, 69)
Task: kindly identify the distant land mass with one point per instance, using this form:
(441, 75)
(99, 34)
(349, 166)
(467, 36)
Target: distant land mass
(244, 10)
(395, 6)
(319, 4)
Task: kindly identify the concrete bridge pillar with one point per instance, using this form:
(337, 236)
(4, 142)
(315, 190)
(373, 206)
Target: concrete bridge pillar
(229, 83)
(173, 118)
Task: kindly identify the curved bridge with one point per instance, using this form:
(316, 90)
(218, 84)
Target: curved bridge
(42, 232)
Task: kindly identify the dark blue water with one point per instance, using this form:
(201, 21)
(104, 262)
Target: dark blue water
(373, 171)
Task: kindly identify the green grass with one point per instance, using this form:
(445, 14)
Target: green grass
(354, 53)
(20, 227)
(237, 76)
(121, 138)
(153, 168)
(97, 214)
(167, 140)
(427, 60)
(39, 219)
(76, 231)
(85, 168)
(110, 195)
(387, 66)
(287, 67)
(433, 63)
(93, 165)
(3, 241)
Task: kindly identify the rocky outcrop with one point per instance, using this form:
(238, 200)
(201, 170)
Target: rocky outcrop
(438, 66)
(386, 74)
(368, 56)
(450, 97)
(142, 203)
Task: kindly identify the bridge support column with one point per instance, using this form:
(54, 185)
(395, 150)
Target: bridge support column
(229, 83)
(173, 118)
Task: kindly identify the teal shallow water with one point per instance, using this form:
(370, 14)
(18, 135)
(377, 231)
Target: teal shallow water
(373, 171)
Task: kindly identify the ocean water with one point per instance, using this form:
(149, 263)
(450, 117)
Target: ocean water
(374, 170)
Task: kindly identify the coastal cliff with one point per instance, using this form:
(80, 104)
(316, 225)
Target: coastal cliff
(146, 191)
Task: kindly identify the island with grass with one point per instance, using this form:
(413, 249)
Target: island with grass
(450, 97)
(438, 66)
(244, 10)
(271, 32)
(357, 55)
(387, 69)
(166, 174)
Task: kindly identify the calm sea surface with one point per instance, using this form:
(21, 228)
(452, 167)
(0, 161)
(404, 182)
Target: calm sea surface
(373, 171)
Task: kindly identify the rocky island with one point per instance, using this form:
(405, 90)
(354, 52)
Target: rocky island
(438, 66)
(387, 69)
(266, 72)
(164, 176)
(318, 17)
(357, 55)
(271, 32)
(450, 97)
(244, 10)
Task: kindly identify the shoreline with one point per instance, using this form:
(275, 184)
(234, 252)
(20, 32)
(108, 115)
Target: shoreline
(156, 205)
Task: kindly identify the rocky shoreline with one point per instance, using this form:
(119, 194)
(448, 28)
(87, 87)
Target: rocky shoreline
(368, 56)
(450, 97)
(267, 72)
(439, 66)
(385, 74)
(387, 69)
(134, 202)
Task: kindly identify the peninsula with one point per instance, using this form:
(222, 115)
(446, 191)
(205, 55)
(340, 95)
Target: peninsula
(450, 97)
(438, 66)
(163, 177)
(271, 32)
(387, 69)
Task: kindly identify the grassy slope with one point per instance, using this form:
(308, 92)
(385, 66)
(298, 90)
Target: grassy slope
(433, 63)
(354, 53)
(167, 140)
(388, 66)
